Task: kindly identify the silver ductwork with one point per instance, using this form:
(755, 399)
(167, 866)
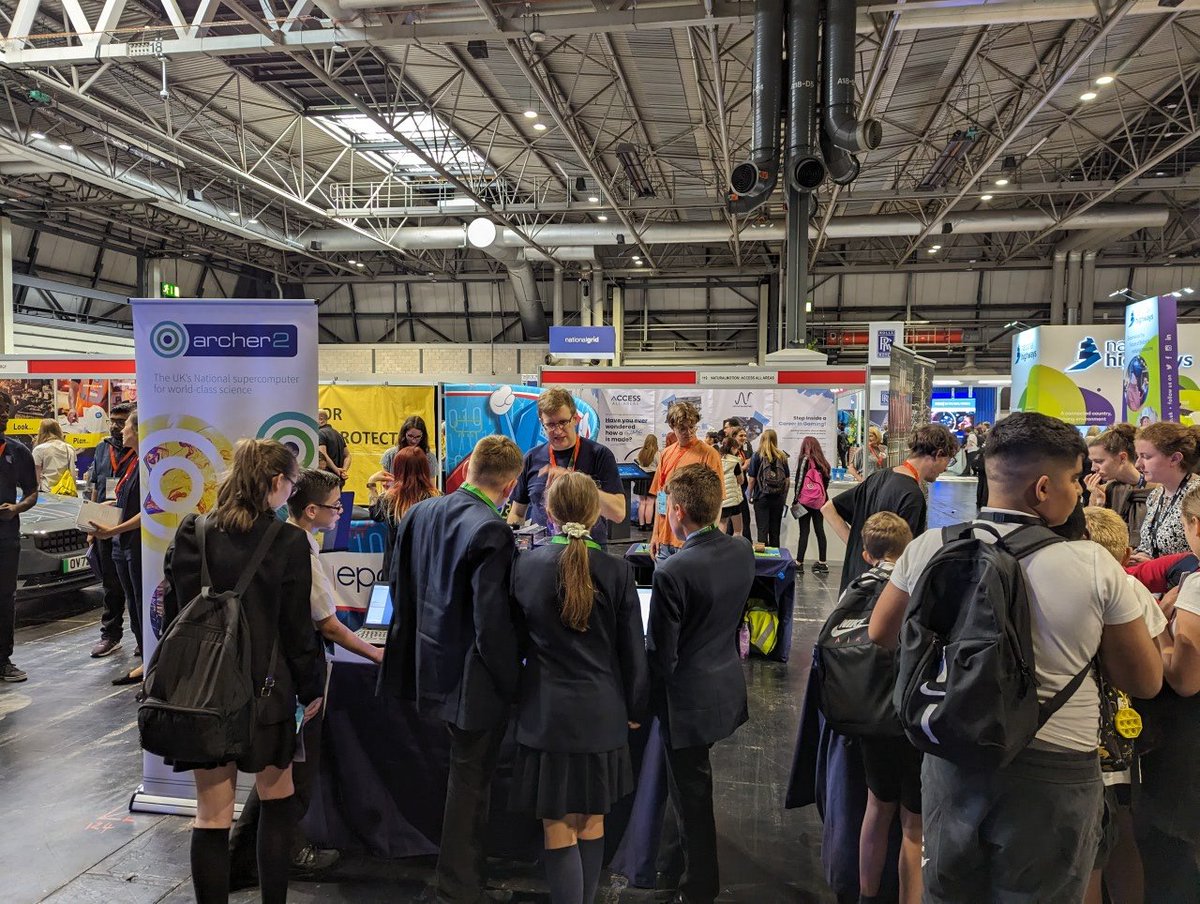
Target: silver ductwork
(571, 235)
(481, 233)
(752, 182)
(805, 168)
(840, 121)
(1058, 274)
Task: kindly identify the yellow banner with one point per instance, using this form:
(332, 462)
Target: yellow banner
(369, 417)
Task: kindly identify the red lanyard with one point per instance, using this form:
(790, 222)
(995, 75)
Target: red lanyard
(112, 458)
(129, 472)
(907, 465)
(574, 455)
(3, 446)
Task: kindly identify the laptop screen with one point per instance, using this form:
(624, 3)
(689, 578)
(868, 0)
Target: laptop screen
(379, 612)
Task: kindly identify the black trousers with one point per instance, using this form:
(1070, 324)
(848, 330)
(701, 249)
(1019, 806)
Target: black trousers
(744, 511)
(818, 526)
(128, 563)
(462, 859)
(10, 555)
(768, 517)
(243, 840)
(112, 621)
(689, 783)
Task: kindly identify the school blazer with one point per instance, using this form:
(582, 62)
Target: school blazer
(276, 604)
(579, 689)
(697, 687)
(452, 644)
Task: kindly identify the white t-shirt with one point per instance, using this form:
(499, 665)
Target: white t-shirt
(1075, 589)
(1156, 622)
(53, 457)
(1189, 595)
(321, 601)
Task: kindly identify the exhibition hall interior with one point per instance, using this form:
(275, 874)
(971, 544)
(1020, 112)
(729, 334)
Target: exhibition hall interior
(581, 451)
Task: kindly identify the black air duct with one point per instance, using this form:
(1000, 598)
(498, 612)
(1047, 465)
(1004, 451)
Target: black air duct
(843, 166)
(752, 182)
(840, 121)
(805, 171)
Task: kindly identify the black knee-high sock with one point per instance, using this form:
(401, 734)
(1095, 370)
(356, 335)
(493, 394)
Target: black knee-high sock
(591, 856)
(564, 874)
(210, 865)
(275, 824)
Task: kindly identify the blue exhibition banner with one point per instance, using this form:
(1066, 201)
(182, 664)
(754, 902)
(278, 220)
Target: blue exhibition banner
(583, 341)
(1151, 380)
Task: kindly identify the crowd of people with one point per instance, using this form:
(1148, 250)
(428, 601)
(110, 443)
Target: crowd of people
(1102, 532)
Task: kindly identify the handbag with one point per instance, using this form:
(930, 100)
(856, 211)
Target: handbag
(66, 485)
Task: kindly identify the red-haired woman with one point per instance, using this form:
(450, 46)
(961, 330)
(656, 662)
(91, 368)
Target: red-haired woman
(814, 469)
(411, 483)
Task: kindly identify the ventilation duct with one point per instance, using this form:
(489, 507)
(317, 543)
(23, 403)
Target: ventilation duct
(805, 169)
(482, 234)
(843, 166)
(840, 121)
(753, 182)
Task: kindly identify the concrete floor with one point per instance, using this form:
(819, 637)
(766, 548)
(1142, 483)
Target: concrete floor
(69, 761)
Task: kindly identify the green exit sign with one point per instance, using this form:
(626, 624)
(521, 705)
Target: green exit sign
(168, 290)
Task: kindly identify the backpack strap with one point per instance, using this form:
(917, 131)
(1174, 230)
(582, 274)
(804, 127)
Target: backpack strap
(201, 531)
(256, 560)
(1028, 539)
(1055, 703)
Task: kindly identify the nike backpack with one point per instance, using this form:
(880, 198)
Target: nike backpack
(855, 677)
(198, 698)
(966, 690)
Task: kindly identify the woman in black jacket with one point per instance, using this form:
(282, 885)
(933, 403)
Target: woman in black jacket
(583, 688)
(276, 605)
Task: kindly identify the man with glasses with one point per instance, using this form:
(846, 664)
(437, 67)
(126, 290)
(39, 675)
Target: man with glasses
(682, 418)
(565, 450)
(315, 507)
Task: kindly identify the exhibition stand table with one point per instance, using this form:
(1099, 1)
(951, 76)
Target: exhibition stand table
(774, 582)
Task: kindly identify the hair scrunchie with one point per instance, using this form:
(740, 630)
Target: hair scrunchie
(576, 531)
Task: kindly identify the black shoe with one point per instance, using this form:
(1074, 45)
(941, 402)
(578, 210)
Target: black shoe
(800, 568)
(10, 673)
(665, 882)
(820, 568)
(313, 860)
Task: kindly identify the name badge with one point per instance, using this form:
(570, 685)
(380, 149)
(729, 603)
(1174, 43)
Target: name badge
(110, 488)
(661, 502)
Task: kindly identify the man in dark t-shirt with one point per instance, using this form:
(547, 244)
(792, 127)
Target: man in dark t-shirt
(890, 490)
(17, 472)
(565, 451)
(334, 456)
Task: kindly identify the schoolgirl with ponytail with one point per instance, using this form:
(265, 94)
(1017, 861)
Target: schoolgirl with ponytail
(584, 686)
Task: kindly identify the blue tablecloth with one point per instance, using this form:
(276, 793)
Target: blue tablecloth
(774, 581)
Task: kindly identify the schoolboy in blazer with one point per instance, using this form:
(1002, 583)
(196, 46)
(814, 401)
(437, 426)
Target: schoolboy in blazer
(697, 687)
(452, 644)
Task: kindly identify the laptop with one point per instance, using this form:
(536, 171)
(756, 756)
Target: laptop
(379, 616)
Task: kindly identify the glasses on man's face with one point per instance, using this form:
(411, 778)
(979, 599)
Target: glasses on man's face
(336, 507)
(558, 425)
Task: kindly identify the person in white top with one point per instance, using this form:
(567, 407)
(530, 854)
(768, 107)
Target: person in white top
(1029, 832)
(315, 506)
(52, 457)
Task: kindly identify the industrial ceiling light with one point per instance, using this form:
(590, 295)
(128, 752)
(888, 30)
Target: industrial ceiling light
(593, 199)
(635, 170)
(539, 127)
(1087, 95)
(1188, 290)
(64, 146)
(531, 113)
(1001, 182)
(985, 197)
(537, 36)
(932, 251)
(351, 260)
(602, 218)
(37, 135)
(253, 221)
(360, 265)
(936, 247)
(1106, 80)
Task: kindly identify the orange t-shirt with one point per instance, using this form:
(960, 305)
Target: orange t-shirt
(675, 456)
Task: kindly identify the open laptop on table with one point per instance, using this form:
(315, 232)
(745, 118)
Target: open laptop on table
(379, 616)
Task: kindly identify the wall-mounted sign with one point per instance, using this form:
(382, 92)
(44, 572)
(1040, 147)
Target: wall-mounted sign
(583, 341)
(883, 336)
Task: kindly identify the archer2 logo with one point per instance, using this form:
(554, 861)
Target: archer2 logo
(223, 340)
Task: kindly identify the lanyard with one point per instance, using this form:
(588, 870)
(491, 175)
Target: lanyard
(130, 469)
(560, 540)
(1153, 530)
(3, 446)
(907, 465)
(701, 532)
(112, 459)
(479, 494)
(1008, 518)
(574, 455)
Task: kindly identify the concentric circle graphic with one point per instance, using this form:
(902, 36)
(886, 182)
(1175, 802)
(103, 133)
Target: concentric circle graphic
(169, 339)
(297, 431)
(185, 458)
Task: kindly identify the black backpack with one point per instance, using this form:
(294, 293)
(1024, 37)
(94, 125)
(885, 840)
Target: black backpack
(855, 677)
(772, 478)
(198, 694)
(967, 690)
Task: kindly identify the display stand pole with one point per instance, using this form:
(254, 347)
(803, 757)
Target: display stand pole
(795, 320)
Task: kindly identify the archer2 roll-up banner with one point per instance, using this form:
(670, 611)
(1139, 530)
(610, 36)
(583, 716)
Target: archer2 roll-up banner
(209, 374)
(1150, 383)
